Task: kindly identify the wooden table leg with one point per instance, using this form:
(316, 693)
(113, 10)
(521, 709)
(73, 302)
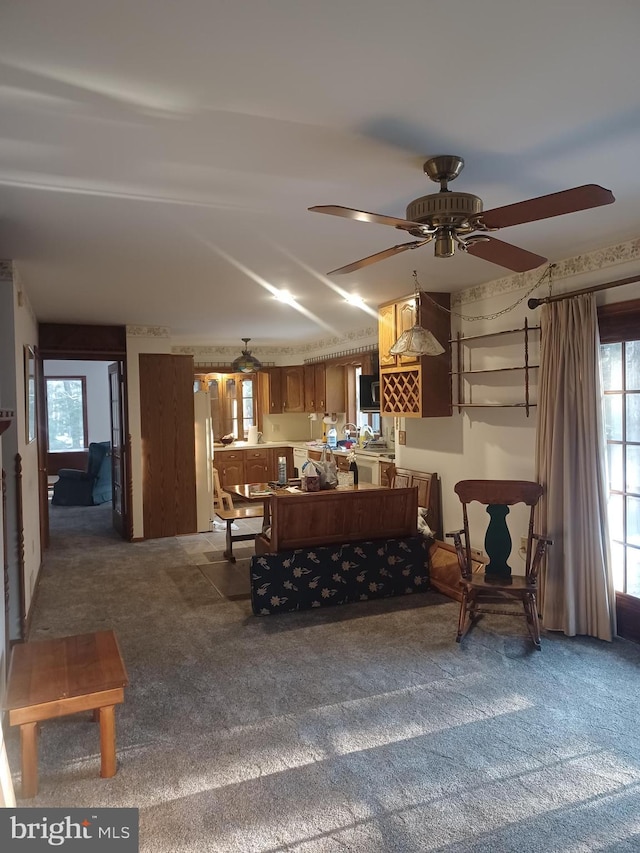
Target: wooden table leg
(29, 745)
(108, 741)
(228, 554)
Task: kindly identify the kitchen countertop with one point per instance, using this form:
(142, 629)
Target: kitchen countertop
(378, 453)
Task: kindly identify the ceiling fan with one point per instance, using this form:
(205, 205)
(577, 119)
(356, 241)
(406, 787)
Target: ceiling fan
(451, 218)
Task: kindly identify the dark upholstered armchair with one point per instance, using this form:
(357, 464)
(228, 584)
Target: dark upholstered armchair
(86, 488)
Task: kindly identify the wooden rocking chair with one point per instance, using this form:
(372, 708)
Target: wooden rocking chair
(497, 586)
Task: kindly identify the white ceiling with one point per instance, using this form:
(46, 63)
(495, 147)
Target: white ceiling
(157, 158)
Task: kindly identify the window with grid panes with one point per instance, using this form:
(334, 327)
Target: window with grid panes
(620, 364)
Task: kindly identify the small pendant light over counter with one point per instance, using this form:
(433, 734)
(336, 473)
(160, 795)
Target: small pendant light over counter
(246, 363)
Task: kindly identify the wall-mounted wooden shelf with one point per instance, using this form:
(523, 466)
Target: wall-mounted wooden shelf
(460, 340)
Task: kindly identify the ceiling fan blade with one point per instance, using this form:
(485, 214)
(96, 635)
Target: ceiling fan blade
(363, 216)
(546, 206)
(379, 256)
(505, 255)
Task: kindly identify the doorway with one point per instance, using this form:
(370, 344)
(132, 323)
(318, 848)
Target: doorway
(78, 417)
(87, 366)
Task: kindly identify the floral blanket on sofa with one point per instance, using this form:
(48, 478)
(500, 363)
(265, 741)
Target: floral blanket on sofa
(338, 574)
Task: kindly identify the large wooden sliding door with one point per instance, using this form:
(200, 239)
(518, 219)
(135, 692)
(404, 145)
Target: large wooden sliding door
(168, 445)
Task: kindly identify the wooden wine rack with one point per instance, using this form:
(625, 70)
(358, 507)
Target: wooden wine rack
(401, 391)
(420, 386)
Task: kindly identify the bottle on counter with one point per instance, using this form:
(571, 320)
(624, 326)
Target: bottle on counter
(282, 470)
(353, 467)
(332, 437)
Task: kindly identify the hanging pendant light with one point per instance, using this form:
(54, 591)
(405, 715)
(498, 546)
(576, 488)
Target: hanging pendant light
(246, 363)
(417, 340)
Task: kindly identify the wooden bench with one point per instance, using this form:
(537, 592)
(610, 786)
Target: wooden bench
(53, 678)
(235, 514)
(345, 514)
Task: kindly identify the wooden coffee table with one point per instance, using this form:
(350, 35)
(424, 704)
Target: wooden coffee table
(53, 678)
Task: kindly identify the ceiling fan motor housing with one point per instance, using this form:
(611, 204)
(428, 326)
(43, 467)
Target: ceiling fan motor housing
(446, 208)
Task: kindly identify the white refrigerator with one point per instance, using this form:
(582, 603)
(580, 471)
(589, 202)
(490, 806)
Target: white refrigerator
(204, 460)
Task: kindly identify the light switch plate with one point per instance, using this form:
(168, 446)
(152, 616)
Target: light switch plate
(402, 436)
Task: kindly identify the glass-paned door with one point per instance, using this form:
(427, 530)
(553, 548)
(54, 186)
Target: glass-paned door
(620, 365)
(233, 404)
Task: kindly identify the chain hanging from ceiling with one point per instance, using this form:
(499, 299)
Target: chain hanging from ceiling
(548, 273)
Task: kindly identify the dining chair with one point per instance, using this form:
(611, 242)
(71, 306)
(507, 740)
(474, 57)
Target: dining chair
(482, 593)
(221, 499)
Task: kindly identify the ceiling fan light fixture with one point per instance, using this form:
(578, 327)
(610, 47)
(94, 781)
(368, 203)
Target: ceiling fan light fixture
(417, 341)
(246, 363)
(445, 243)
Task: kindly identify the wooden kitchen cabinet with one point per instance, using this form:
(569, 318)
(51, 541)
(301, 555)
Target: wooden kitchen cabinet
(230, 465)
(270, 385)
(334, 388)
(416, 387)
(394, 318)
(343, 463)
(251, 465)
(274, 455)
(320, 387)
(384, 472)
(293, 388)
(257, 464)
(309, 373)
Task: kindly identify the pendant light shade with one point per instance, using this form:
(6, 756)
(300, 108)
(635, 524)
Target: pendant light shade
(417, 341)
(246, 363)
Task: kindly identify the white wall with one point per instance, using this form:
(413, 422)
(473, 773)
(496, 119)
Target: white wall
(18, 328)
(97, 376)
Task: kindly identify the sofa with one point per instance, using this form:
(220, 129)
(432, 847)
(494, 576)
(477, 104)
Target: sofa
(305, 578)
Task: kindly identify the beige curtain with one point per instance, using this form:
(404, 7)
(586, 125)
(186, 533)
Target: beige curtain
(577, 592)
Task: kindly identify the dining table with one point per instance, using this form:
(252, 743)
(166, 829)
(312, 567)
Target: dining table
(253, 492)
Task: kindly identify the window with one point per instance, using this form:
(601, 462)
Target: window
(620, 364)
(233, 404)
(66, 402)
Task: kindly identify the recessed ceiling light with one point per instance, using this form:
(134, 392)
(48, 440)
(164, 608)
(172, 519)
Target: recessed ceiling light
(354, 299)
(285, 296)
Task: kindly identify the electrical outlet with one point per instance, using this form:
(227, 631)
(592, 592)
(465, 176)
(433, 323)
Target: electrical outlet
(402, 436)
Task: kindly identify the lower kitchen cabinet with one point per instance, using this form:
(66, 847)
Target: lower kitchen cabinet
(253, 465)
(257, 465)
(384, 472)
(230, 465)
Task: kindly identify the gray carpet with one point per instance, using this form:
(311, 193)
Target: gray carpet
(362, 728)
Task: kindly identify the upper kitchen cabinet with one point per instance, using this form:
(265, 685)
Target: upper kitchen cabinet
(293, 388)
(334, 389)
(394, 318)
(310, 388)
(324, 388)
(415, 386)
(270, 383)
